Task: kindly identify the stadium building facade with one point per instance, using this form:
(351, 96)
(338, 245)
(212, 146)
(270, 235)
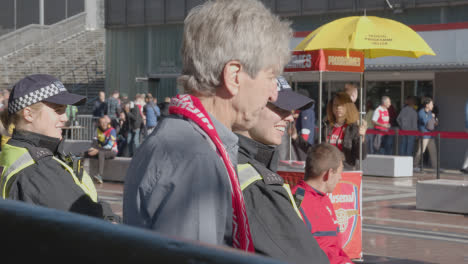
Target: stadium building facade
(143, 40)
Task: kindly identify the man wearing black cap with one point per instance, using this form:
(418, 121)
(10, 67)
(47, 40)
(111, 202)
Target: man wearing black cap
(275, 222)
(33, 169)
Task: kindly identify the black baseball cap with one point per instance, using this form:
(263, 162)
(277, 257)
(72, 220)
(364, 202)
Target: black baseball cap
(288, 99)
(40, 88)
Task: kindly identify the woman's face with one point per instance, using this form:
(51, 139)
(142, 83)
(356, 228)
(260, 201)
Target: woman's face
(339, 110)
(49, 120)
(271, 126)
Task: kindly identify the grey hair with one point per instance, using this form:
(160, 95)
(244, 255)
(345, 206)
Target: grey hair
(220, 31)
(384, 98)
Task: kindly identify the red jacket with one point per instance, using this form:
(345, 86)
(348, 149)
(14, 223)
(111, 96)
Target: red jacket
(319, 216)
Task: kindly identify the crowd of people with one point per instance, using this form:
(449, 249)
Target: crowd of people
(204, 163)
(417, 115)
(133, 120)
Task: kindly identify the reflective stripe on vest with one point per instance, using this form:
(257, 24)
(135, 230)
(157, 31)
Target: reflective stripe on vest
(14, 159)
(86, 182)
(248, 175)
(291, 199)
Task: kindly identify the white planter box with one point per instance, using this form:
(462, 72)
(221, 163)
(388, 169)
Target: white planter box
(389, 166)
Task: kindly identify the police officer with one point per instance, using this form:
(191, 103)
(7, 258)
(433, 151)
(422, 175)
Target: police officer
(33, 169)
(275, 221)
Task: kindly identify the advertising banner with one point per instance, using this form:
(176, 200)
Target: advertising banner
(346, 200)
(326, 60)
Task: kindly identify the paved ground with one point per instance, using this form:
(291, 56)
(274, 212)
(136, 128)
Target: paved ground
(393, 230)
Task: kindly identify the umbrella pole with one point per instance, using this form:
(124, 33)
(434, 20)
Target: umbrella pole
(360, 120)
(320, 108)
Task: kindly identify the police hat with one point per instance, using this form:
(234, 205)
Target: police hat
(40, 88)
(288, 99)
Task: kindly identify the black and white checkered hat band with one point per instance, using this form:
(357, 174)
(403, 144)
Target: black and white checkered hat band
(35, 97)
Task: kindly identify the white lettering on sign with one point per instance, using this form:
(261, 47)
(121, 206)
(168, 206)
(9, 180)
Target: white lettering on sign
(342, 198)
(300, 61)
(343, 61)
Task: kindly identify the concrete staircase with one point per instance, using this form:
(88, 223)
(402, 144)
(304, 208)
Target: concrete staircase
(77, 60)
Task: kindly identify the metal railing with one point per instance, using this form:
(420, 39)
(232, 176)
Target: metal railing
(34, 34)
(82, 128)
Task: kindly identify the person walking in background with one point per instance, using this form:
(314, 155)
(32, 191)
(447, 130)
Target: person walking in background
(392, 115)
(123, 99)
(370, 125)
(113, 107)
(105, 146)
(305, 123)
(152, 112)
(381, 120)
(139, 104)
(426, 123)
(464, 168)
(100, 105)
(135, 121)
(408, 120)
(182, 181)
(122, 135)
(342, 129)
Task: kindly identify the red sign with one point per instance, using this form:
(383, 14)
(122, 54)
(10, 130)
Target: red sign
(346, 200)
(326, 60)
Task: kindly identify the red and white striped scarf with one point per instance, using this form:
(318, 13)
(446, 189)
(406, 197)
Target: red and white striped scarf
(190, 107)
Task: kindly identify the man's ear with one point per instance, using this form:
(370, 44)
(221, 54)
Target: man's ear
(231, 76)
(28, 114)
(326, 176)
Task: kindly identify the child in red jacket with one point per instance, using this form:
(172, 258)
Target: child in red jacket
(324, 165)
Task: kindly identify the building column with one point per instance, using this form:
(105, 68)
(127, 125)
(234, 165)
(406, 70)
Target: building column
(41, 12)
(94, 14)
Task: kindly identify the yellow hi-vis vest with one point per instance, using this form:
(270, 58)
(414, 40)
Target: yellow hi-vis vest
(248, 175)
(14, 159)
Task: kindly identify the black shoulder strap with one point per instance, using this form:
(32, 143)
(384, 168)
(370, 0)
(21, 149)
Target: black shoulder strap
(299, 196)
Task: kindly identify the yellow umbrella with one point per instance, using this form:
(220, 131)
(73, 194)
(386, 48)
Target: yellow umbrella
(375, 36)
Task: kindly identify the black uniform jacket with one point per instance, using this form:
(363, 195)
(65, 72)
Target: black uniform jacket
(47, 183)
(277, 231)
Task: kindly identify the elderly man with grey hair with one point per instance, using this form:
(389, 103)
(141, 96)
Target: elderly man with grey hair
(182, 181)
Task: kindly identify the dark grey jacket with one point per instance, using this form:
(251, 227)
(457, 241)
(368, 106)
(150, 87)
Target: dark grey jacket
(178, 185)
(277, 231)
(408, 118)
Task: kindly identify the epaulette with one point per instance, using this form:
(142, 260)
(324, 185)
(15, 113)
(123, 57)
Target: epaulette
(39, 153)
(269, 177)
